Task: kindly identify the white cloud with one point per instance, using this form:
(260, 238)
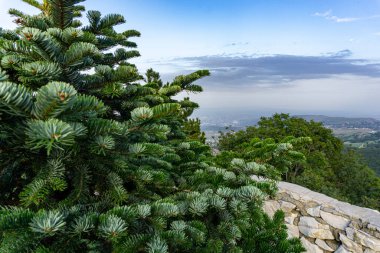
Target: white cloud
(329, 16)
(323, 14)
(236, 44)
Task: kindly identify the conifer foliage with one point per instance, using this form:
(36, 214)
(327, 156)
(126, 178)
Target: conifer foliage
(95, 157)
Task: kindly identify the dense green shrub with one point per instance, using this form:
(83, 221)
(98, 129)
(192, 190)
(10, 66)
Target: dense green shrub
(95, 157)
(328, 167)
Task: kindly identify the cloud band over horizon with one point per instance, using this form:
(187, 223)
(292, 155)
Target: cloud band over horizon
(229, 71)
(334, 84)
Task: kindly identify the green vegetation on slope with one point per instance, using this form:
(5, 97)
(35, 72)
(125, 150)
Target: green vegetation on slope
(328, 167)
(96, 157)
(371, 154)
(367, 145)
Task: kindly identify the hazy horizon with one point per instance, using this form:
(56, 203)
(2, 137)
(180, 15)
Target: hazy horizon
(298, 57)
(244, 116)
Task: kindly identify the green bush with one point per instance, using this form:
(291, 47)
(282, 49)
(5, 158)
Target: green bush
(328, 167)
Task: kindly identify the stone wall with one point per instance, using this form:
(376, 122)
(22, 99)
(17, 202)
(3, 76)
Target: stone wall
(325, 224)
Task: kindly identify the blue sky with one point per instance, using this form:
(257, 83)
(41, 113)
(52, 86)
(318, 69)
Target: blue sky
(302, 27)
(297, 56)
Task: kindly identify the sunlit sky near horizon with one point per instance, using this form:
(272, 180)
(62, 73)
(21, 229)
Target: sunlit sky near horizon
(296, 56)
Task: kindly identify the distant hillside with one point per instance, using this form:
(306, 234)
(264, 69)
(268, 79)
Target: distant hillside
(361, 134)
(342, 122)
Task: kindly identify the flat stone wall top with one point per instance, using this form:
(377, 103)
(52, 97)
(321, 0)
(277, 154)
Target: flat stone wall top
(325, 224)
(365, 215)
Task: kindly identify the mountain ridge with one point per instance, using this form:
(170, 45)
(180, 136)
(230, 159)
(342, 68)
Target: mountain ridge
(344, 122)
